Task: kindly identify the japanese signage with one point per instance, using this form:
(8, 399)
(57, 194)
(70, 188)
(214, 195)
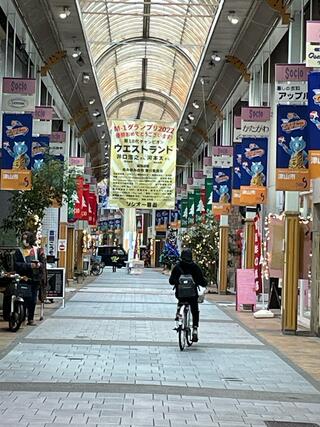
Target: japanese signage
(143, 164)
(184, 213)
(292, 158)
(40, 147)
(56, 282)
(222, 157)
(255, 122)
(254, 171)
(18, 95)
(222, 179)
(237, 129)
(314, 124)
(77, 165)
(42, 127)
(209, 194)
(43, 113)
(16, 152)
(198, 179)
(207, 167)
(313, 44)
(291, 84)
(57, 144)
(236, 179)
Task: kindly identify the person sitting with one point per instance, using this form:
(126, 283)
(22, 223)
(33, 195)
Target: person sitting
(187, 267)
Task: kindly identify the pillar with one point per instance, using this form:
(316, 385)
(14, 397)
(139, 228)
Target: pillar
(62, 255)
(223, 259)
(249, 243)
(129, 230)
(70, 253)
(290, 273)
(315, 286)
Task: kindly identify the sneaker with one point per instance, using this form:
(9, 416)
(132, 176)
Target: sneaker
(195, 335)
(31, 323)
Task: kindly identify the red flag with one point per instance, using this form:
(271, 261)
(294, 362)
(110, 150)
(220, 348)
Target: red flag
(78, 204)
(85, 202)
(92, 219)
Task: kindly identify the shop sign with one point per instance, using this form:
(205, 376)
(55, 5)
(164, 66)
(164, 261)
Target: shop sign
(184, 213)
(246, 290)
(254, 171)
(143, 164)
(237, 129)
(292, 159)
(56, 149)
(43, 113)
(18, 95)
(16, 152)
(77, 165)
(314, 124)
(313, 44)
(40, 147)
(42, 127)
(222, 157)
(209, 194)
(222, 187)
(207, 167)
(255, 122)
(62, 245)
(58, 137)
(291, 84)
(198, 179)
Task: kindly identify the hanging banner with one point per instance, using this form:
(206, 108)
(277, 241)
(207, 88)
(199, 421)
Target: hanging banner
(292, 159)
(291, 84)
(76, 164)
(257, 255)
(40, 147)
(190, 184)
(198, 206)
(16, 152)
(42, 127)
(191, 210)
(237, 137)
(313, 44)
(184, 213)
(209, 194)
(18, 95)
(43, 113)
(143, 164)
(198, 179)
(255, 122)
(222, 186)
(57, 145)
(236, 178)
(314, 124)
(162, 220)
(222, 157)
(85, 202)
(79, 202)
(207, 167)
(254, 171)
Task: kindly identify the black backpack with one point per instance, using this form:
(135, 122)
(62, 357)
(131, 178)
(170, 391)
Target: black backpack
(186, 287)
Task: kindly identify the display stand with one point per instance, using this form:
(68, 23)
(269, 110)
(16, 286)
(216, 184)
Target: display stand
(56, 284)
(137, 266)
(246, 291)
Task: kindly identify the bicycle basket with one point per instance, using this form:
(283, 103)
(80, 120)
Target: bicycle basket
(24, 290)
(186, 288)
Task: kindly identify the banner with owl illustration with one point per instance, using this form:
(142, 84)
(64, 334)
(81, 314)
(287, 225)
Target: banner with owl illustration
(16, 152)
(222, 191)
(314, 124)
(40, 147)
(292, 148)
(254, 167)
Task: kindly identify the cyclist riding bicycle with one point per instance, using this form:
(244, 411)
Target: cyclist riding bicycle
(184, 268)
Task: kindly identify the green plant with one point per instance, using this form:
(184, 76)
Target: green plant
(52, 184)
(203, 240)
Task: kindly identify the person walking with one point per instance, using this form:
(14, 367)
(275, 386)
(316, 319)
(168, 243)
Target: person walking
(30, 261)
(185, 267)
(114, 260)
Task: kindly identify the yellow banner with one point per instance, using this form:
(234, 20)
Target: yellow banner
(12, 179)
(250, 195)
(221, 208)
(143, 164)
(292, 180)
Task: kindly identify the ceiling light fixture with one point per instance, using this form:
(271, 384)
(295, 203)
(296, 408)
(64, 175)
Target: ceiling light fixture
(64, 13)
(215, 57)
(85, 78)
(76, 53)
(181, 138)
(195, 105)
(92, 101)
(96, 113)
(191, 117)
(233, 18)
(100, 124)
(188, 121)
(186, 129)
(103, 135)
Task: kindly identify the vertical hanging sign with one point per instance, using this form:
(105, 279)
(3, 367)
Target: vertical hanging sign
(314, 124)
(291, 84)
(255, 122)
(313, 44)
(207, 167)
(16, 152)
(236, 178)
(40, 147)
(184, 213)
(18, 95)
(292, 158)
(209, 194)
(222, 179)
(191, 209)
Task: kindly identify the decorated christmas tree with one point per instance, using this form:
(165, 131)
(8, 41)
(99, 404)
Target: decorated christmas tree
(203, 240)
(170, 253)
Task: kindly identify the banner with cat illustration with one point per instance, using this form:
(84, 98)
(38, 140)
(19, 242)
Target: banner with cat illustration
(236, 177)
(314, 124)
(254, 166)
(292, 148)
(222, 190)
(16, 152)
(40, 147)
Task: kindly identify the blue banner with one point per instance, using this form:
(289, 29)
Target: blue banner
(222, 183)
(254, 162)
(40, 147)
(237, 161)
(16, 141)
(162, 217)
(314, 110)
(292, 137)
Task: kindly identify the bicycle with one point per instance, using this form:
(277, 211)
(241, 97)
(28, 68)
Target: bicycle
(184, 326)
(96, 268)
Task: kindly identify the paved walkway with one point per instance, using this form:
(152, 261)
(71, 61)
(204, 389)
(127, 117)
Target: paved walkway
(110, 358)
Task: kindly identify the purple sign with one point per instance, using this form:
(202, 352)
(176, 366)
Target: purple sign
(198, 174)
(43, 113)
(190, 181)
(237, 122)
(58, 137)
(207, 161)
(255, 114)
(292, 72)
(222, 151)
(20, 86)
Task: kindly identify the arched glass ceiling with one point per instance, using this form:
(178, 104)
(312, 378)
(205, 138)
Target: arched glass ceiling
(149, 49)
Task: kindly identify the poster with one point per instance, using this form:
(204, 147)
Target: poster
(291, 84)
(143, 164)
(314, 124)
(191, 209)
(209, 194)
(292, 159)
(16, 152)
(56, 283)
(236, 178)
(313, 44)
(184, 213)
(18, 95)
(40, 147)
(254, 171)
(222, 187)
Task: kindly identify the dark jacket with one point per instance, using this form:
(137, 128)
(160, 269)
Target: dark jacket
(38, 277)
(187, 268)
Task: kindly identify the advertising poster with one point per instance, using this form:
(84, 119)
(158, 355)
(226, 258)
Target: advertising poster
(254, 171)
(209, 194)
(18, 95)
(143, 164)
(198, 205)
(314, 124)
(184, 213)
(291, 84)
(222, 187)
(16, 152)
(255, 122)
(292, 156)
(191, 209)
(40, 147)
(236, 178)
(313, 44)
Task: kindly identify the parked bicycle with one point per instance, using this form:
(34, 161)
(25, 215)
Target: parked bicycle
(96, 268)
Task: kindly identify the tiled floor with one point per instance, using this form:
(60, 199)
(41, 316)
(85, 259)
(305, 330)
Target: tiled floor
(110, 358)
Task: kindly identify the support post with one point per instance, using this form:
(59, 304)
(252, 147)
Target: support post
(223, 259)
(249, 243)
(62, 235)
(315, 283)
(290, 274)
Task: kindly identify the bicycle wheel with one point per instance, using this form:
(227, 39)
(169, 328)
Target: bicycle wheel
(95, 270)
(189, 329)
(182, 331)
(16, 317)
